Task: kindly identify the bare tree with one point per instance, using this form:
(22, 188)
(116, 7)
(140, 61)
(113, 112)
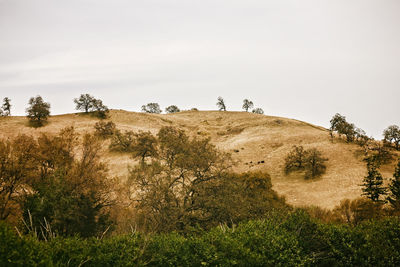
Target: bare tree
(221, 104)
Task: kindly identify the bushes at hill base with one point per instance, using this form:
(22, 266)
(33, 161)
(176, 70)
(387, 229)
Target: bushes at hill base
(283, 240)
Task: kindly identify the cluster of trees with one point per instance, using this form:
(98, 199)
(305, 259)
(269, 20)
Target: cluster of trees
(182, 182)
(378, 201)
(55, 181)
(377, 151)
(311, 161)
(247, 105)
(349, 130)
(374, 189)
(155, 108)
(38, 110)
(5, 109)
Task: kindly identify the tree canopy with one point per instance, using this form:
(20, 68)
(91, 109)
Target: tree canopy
(247, 104)
(151, 108)
(38, 111)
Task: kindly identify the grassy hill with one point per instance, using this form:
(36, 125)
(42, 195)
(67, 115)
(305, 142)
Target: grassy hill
(256, 142)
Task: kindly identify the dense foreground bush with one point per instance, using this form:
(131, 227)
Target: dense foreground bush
(278, 240)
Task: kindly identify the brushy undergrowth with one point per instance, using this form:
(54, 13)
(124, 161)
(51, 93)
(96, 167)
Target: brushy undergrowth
(278, 240)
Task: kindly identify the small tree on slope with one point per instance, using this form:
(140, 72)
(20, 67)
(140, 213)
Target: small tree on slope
(373, 184)
(394, 188)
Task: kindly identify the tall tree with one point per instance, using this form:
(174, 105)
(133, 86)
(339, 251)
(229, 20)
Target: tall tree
(221, 104)
(392, 135)
(6, 107)
(394, 188)
(38, 111)
(247, 104)
(373, 183)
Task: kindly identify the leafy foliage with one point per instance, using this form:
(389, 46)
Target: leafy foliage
(278, 240)
(151, 108)
(315, 163)
(104, 129)
(342, 127)
(47, 180)
(38, 111)
(122, 141)
(88, 103)
(17, 164)
(187, 183)
(309, 160)
(247, 104)
(373, 183)
(392, 136)
(172, 109)
(145, 145)
(69, 192)
(258, 111)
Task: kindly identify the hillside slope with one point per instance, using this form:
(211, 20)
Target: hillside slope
(250, 138)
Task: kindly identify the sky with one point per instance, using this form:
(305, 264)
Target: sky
(305, 59)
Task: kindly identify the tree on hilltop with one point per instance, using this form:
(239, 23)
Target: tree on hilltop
(38, 111)
(151, 108)
(247, 104)
(84, 102)
(258, 111)
(88, 103)
(172, 109)
(392, 135)
(221, 104)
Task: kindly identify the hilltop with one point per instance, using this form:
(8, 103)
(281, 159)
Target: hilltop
(256, 142)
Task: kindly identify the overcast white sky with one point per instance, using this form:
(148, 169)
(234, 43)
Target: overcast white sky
(302, 59)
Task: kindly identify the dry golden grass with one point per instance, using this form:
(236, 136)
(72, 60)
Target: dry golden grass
(250, 138)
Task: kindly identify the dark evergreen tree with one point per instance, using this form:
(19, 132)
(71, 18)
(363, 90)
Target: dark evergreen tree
(373, 183)
(394, 188)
